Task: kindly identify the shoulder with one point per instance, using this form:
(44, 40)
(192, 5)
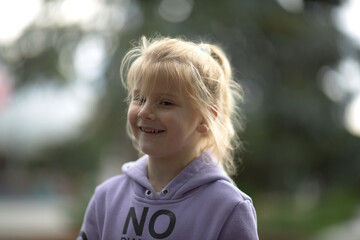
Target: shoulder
(112, 186)
(226, 197)
(231, 192)
(241, 220)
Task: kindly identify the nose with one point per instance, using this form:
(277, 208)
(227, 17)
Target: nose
(146, 112)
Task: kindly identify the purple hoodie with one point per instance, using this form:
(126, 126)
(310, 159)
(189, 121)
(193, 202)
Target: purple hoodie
(199, 203)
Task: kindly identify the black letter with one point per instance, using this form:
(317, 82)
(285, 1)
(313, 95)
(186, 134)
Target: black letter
(170, 228)
(137, 227)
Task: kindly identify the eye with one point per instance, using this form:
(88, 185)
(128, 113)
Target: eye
(139, 100)
(166, 103)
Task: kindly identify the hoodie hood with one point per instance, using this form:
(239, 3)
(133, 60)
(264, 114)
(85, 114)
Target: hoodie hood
(201, 171)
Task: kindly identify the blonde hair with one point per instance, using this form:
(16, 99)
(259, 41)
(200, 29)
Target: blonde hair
(203, 73)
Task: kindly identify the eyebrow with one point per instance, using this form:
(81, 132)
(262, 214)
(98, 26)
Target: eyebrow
(162, 94)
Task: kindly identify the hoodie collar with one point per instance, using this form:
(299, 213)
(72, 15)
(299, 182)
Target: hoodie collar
(200, 171)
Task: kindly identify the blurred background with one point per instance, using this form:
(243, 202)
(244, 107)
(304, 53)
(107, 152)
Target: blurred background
(62, 109)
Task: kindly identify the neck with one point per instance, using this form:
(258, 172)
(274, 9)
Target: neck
(162, 170)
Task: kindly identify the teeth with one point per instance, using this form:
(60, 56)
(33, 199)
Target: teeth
(149, 130)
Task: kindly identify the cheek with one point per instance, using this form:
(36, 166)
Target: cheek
(132, 117)
(175, 125)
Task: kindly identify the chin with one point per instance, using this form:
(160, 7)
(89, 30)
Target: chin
(150, 152)
(154, 154)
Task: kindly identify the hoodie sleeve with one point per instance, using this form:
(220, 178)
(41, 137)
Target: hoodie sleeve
(241, 223)
(90, 227)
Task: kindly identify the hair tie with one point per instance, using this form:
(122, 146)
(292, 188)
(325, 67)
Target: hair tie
(207, 51)
(211, 54)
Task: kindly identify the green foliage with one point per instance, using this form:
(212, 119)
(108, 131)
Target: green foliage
(280, 215)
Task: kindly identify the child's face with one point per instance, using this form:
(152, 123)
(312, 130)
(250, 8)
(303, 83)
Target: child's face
(164, 123)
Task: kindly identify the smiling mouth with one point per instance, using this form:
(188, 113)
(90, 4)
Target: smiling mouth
(150, 130)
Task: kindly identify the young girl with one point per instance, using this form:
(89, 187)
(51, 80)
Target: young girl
(181, 107)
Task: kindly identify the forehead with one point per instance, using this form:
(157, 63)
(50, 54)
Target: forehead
(166, 77)
(156, 86)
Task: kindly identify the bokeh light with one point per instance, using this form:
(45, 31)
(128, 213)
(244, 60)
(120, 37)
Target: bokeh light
(14, 19)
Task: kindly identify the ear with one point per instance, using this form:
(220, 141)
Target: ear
(202, 127)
